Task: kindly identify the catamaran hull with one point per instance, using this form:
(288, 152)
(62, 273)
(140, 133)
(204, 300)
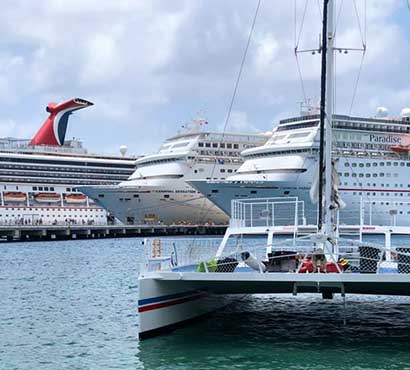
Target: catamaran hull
(163, 306)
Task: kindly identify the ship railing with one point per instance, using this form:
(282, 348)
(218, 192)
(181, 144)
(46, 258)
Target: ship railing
(267, 212)
(282, 256)
(370, 211)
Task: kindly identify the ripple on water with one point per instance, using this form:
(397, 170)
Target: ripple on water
(72, 305)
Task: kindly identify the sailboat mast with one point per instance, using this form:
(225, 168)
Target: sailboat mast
(326, 118)
(322, 114)
(329, 116)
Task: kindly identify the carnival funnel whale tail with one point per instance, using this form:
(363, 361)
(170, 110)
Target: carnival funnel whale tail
(53, 130)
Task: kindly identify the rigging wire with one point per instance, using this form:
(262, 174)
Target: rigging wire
(356, 84)
(338, 17)
(238, 78)
(297, 41)
(302, 23)
(302, 83)
(358, 22)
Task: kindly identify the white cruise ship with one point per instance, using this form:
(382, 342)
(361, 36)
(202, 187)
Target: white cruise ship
(39, 177)
(372, 158)
(157, 191)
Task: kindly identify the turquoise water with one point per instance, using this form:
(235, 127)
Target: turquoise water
(72, 305)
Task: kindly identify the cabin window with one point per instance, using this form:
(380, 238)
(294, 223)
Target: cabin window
(235, 146)
(374, 164)
(100, 195)
(368, 164)
(222, 170)
(229, 146)
(207, 145)
(201, 145)
(214, 145)
(401, 164)
(215, 191)
(222, 145)
(395, 164)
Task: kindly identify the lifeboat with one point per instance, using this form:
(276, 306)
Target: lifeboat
(15, 197)
(47, 197)
(75, 198)
(400, 148)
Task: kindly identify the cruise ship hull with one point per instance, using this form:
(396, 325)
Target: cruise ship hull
(167, 204)
(372, 207)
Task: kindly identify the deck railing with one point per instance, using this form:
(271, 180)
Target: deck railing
(267, 212)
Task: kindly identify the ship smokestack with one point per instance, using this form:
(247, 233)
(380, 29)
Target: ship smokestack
(53, 130)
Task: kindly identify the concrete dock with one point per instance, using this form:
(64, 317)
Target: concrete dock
(18, 233)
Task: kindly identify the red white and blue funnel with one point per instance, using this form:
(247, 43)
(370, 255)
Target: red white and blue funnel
(53, 130)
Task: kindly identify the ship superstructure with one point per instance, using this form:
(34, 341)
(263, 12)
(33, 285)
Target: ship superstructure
(371, 156)
(157, 192)
(39, 177)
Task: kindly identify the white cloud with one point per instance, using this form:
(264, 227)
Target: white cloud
(149, 65)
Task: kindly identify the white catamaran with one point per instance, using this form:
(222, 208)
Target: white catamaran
(184, 279)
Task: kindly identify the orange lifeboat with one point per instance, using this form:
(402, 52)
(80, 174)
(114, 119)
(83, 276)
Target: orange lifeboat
(400, 148)
(47, 197)
(75, 198)
(15, 197)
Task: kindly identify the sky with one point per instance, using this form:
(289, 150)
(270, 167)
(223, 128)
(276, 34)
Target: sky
(152, 66)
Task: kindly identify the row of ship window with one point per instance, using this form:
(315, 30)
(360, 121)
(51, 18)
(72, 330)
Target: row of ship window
(363, 146)
(47, 209)
(65, 174)
(381, 174)
(375, 164)
(381, 185)
(65, 163)
(219, 145)
(58, 181)
(59, 215)
(379, 194)
(65, 169)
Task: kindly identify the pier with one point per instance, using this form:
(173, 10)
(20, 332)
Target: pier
(19, 233)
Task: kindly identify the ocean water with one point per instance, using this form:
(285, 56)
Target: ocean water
(72, 305)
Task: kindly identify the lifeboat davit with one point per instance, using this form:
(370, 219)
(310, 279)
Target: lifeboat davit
(400, 148)
(15, 197)
(47, 197)
(75, 198)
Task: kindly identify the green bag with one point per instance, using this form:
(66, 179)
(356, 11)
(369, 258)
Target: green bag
(211, 265)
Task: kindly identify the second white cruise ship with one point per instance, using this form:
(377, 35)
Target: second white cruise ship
(372, 157)
(157, 192)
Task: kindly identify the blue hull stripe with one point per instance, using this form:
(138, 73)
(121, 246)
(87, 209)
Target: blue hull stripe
(142, 302)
